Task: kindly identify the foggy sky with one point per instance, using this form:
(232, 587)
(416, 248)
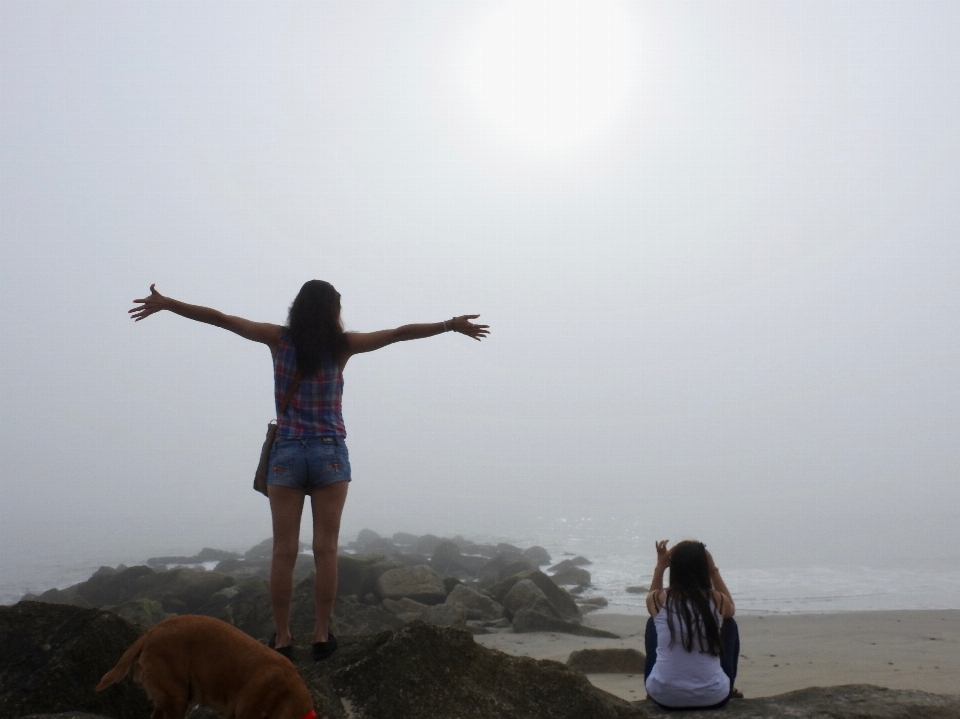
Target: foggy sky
(729, 312)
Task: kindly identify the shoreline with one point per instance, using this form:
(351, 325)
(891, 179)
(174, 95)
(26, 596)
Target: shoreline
(898, 649)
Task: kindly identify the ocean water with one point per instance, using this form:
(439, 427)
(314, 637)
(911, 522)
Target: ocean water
(617, 562)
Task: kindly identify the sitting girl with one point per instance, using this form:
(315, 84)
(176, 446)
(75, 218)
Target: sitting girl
(692, 640)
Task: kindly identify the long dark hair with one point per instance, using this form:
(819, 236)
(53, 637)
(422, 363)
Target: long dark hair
(315, 326)
(689, 599)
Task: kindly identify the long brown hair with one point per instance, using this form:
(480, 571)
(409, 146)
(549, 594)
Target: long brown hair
(315, 326)
(689, 599)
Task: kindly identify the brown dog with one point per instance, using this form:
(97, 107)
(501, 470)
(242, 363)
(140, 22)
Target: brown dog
(200, 660)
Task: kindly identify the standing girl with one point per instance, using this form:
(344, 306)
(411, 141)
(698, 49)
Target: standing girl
(309, 456)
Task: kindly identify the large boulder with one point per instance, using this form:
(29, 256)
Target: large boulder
(478, 606)
(607, 661)
(142, 612)
(429, 672)
(560, 599)
(350, 618)
(52, 656)
(426, 544)
(419, 583)
(501, 567)
(527, 595)
(568, 563)
(538, 555)
(572, 575)
(445, 615)
(357, 573)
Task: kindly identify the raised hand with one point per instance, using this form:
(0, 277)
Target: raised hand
(148, 305)
(464, 326)
(663, 554)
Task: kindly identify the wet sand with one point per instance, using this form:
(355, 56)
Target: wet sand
(781, 653)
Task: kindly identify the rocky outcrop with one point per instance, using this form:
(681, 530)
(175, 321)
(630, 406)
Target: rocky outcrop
(852, 701)
(574, 576)
(357, 573)
(426, 672)
(501, 567)
(52, 656)
(607, 661)
(204, 555)
(525, 595)
(560, 599)
(419, 583)
(478, 606)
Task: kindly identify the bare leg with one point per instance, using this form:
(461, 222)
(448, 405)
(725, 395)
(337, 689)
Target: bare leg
(327, 503)
(286, 507)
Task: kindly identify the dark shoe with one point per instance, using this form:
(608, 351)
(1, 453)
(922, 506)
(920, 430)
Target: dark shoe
(322, 650)
(282, 651)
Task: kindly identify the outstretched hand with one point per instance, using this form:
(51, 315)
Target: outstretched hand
(464, 326)
(148, 305)
(663, 554)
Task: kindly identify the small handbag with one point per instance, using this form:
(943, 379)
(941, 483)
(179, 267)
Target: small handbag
(260, 478)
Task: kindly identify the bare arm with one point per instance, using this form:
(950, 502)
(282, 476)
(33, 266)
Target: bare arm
(725, 602)
(358, 342)
(655, 597)
(264, 332)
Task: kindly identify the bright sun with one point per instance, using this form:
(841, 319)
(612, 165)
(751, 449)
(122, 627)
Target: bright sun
(551, 76)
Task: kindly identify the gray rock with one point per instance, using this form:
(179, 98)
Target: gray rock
(352, 618)
(429, 672)
(398, 607)
(525, 595)
(637, 590)
(446, 615)
(558, 597)
(607, 661)
(569, 564)
(572, 575)
(852, 701)
(143, 612)
(527, 620)
(446, 558)
(52, 656)
(425, 544)
(365, 537)
(477, 605)
(204, 555)
(404, 539)
(357, 573)
(538, 555)
(419, 583)
(501, 567)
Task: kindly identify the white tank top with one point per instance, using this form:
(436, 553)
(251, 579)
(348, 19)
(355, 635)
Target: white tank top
(681, 678)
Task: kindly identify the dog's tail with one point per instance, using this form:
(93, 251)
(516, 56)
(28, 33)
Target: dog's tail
(123, 666)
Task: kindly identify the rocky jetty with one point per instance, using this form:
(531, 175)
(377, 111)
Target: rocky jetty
(51, 657)
(384, 583)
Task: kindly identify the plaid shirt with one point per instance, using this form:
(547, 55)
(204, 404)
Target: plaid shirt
(315, 410)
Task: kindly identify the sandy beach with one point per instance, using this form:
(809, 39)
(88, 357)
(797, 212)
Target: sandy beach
(781, 653)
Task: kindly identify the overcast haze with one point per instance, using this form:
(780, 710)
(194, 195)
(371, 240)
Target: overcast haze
(716, 244)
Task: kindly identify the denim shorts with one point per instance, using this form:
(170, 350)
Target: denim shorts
(308, 462)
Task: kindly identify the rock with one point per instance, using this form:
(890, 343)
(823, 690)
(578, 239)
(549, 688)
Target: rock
(527, 620)
(365, 537)
(538, 555)
(426, 544)
(404, 539)
(637, 590)
(398, 607)
(446, 558)
(419, 583)
(143, 612)
(527, 595)
(501, 567)
(264, 550)
(245, 568)
(570, 564)
(573, 575)
(381, 546)
(509, 549)
(52, 656)
(607, 661)
(477, 605)
(597, 602)
(357, 573)
(446, 615)
(449, 583)
(558, 597)
(428, 672)
(352, 618)
(852, 701)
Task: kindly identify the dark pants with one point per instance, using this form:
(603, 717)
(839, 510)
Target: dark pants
(729, 653)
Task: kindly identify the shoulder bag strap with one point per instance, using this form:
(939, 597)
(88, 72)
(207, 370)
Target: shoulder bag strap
(294, 384)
